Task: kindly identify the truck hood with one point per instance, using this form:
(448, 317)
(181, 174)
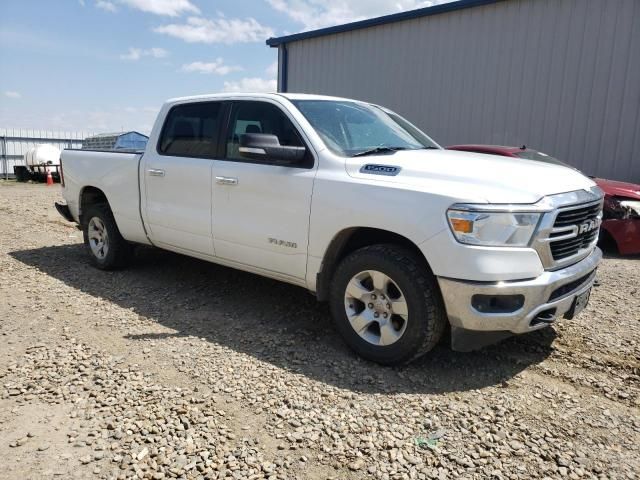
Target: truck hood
(472, 176)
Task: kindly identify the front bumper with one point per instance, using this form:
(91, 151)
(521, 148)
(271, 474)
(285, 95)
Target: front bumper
(546, 298)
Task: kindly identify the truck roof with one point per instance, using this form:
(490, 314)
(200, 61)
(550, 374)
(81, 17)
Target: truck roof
(231, 95)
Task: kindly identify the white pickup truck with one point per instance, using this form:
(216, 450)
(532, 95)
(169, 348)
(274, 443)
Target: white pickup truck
(354, 203)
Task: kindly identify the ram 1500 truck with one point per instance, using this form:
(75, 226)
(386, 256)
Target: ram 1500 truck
(356, 204)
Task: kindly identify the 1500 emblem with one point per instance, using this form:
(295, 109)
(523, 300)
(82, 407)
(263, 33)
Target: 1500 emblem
(389, 170)
(282, 243)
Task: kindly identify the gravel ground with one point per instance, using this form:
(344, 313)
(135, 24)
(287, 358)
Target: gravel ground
(176, 368)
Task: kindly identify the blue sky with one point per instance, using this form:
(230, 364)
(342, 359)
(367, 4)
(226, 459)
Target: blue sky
(103, 65)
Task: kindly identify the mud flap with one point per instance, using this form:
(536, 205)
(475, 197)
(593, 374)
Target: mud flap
(64, 211)
(463, 340)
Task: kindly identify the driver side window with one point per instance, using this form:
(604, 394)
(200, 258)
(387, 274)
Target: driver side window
(259, 117)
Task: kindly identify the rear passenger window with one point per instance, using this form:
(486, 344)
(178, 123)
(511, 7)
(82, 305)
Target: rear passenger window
(191, 130)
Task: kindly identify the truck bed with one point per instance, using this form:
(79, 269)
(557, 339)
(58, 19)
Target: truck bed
(115, 173)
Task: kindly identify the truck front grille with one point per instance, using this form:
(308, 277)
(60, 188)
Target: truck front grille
(568, 231)
(576, 229)
(577, 216)
(565, 248)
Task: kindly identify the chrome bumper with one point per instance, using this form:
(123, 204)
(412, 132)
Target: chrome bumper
(543, 302)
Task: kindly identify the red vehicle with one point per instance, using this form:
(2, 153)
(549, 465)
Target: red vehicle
(621, 214)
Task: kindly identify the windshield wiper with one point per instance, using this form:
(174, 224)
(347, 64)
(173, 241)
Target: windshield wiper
(380, 149)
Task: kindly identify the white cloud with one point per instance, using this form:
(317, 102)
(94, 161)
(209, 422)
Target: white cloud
(216, 67)
(170, 8)
(219, 30)
(11, 94)
(157, 52)
(255, 84)
(135, 54)
(106, 6)
(81, 2)
(251, 85)
(314, 14)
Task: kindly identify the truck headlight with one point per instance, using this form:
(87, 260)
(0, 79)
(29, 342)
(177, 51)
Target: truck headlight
(493, 229)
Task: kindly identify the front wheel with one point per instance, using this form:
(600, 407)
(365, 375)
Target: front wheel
(387, 305)
(106, 247)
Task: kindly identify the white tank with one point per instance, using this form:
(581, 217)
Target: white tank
(41, 155)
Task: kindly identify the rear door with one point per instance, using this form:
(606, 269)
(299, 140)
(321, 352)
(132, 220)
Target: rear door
(178, 177)
(261, 209)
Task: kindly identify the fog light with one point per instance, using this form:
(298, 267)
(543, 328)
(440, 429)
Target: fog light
(497, 303)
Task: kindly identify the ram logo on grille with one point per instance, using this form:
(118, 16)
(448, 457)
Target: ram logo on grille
(587, 226)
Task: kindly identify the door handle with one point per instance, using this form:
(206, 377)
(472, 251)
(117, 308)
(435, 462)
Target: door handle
(227, 180)
(154, 172)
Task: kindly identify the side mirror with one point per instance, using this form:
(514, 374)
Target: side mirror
(266, 147)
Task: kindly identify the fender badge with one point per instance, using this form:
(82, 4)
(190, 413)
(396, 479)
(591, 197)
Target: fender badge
(374, 169)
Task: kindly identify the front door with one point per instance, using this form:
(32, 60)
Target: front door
(261, 209)
(178, 178)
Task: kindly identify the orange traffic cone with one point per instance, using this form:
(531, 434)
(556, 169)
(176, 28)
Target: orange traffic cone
(49, 178)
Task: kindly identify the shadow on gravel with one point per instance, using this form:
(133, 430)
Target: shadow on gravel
(274, 322)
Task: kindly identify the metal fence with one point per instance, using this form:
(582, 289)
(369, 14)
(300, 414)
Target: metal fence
(14, 143)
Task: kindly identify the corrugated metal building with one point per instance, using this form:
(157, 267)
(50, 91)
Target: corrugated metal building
(15, 142)
(116, 141)
(562, 76)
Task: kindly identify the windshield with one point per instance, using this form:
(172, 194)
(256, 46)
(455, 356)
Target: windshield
(352, 128)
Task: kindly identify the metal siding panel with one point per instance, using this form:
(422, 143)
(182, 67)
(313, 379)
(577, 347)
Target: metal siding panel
(515, 86)
(296, 64)
(525, 90)
(540, 74)
(601, 57)
(468, 73)
(482, 114)
(456, 102)
(439, 102)
(556, 76)
(617, 51)
(627, 136)
(505, 23)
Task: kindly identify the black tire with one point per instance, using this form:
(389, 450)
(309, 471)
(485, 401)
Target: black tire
(119, 250)
(426, 317)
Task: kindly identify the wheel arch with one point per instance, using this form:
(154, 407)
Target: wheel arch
(351, 239)
(90, 195)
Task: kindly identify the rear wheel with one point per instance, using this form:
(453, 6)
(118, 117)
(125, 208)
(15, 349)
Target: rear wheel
(106, 247)
(387, 305)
